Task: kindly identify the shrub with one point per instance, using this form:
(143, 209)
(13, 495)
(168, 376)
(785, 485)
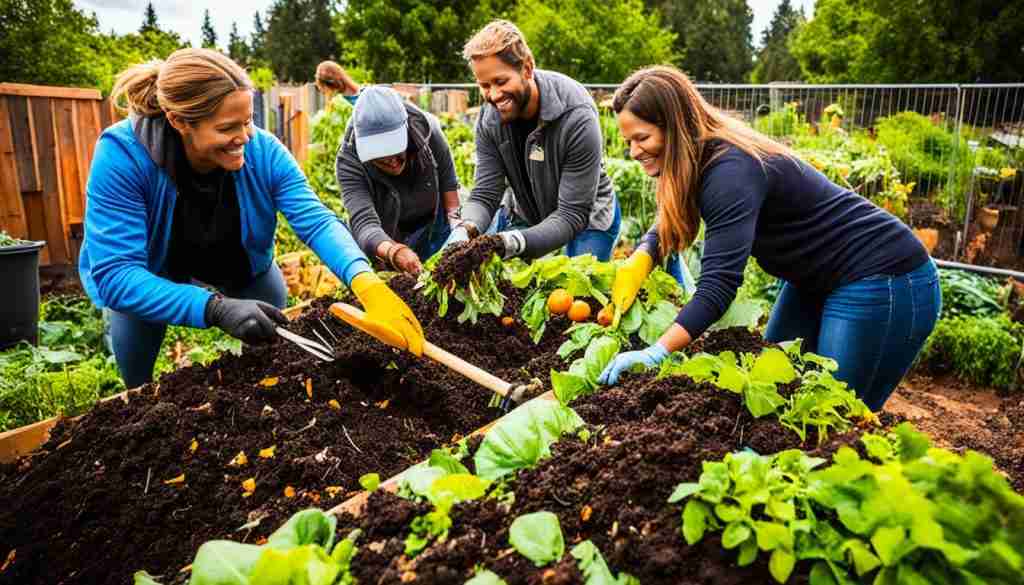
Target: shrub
(924, 151)
(982, 350)
(636, 195)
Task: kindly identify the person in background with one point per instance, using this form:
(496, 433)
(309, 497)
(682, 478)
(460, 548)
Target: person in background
(859, 286)
(332, 79)
(186, 190)
(539, 133)
(397, 179)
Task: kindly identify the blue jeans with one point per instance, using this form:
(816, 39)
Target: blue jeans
(874, 327)
(600, 243)
(136, 343)
(424, 246)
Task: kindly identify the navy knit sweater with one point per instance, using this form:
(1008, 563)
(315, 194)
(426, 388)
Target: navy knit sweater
(800, 227)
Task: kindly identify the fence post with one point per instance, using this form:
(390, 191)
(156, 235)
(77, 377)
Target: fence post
(961, 237)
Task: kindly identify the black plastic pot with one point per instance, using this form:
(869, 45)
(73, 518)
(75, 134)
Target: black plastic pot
(19, 293)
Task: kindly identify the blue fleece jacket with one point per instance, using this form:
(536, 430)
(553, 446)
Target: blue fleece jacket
(130, 209)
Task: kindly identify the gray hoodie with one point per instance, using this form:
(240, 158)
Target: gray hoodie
(372, 198)
(571, 191)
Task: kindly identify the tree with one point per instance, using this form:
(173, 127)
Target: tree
(871, 41)
(298, 37)
(595, 42)
(775, 62)
(209, 33)
(121, 51)
(238, 49)
(414, 40)
(48, 42)
(149, 20)
(258, 40)
(713, 38)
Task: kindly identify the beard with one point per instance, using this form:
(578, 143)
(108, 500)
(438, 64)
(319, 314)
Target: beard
(520, 102)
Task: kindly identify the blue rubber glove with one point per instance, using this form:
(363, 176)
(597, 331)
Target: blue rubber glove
(459, 234)
(650, 357)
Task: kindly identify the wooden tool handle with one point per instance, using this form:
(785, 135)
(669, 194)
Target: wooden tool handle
(478, 375)
(355, 318)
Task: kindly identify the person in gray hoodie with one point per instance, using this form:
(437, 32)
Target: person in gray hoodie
(538, 133)
(397, 180)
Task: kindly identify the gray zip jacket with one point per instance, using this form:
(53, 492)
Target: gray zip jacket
(571, 190)
(373, 201)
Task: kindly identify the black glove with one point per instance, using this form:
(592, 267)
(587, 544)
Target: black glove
(250, 321)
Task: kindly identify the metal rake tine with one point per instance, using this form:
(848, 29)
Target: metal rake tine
(322, 352)
(326, 346)
(328, 330)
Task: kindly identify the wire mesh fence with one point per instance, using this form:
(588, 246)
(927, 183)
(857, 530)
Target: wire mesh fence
(945, 158)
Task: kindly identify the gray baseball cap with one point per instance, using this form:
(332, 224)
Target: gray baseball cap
(381, 123)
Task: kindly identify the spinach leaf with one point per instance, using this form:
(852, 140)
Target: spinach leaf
(523, 437)
(538, 537)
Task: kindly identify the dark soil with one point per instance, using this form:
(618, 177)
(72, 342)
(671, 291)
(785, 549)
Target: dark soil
(650, 436)
(93, 505)
(460, 260)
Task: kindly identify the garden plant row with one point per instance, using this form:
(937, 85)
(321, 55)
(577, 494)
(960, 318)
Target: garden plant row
(229, 452)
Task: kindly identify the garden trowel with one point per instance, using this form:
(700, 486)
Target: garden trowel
(510, 393)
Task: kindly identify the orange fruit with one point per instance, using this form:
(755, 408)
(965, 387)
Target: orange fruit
(606, 315)
(580, 311)
(559, 301)
(507, 321)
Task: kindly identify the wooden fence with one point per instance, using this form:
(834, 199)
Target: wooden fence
(47, 137)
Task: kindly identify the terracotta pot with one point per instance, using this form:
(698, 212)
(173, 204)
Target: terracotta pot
(988, 218)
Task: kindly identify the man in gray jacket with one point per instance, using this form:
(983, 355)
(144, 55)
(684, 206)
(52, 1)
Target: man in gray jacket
(397, 180)
(539, 133)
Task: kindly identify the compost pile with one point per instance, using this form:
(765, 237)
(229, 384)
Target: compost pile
(462, 259)
(141, 484)
(612, 488)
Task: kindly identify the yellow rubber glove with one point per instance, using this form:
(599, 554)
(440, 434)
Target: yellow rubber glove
(387, 316)
(629, 278)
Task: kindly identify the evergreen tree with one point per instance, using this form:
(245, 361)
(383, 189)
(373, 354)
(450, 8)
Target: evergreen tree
(238, 49)
(209, 34)
(713, 39)
(774, 61)
(298, 37)
(149, 23)
(257, 41)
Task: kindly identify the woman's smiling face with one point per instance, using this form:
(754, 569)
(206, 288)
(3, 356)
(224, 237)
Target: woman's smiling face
(646, 141)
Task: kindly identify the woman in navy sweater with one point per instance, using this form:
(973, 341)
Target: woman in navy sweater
(858, 285)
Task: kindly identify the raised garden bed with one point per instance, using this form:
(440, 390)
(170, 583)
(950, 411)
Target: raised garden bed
(104, 482)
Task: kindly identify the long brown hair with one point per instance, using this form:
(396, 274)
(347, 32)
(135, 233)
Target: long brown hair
(665, 96)
(191, 83)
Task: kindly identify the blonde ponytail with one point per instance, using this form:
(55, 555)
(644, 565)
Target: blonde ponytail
(137, 86)
(191, 83)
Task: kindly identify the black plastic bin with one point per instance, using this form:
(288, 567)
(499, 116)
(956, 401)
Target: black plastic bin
(19, 293)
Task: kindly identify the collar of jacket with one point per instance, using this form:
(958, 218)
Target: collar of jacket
(160, 140)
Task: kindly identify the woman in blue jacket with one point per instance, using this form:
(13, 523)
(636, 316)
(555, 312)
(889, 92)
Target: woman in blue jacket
(184, 193)
(859, 287)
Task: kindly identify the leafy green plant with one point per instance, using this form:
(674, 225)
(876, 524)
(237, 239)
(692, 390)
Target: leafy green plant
(982, 350)
(538, 537)
(301, 551)
(782, 123)
(485, 577)
(444, 493)
(581, 378)
(821, 402)
(754, 378)
(523, 437)
(481, 296)
(594, 568)
(915, 515)
(635, 190)
(462, 144)
(753, 499)
(968, 294)
(6, 240)
(582, 276)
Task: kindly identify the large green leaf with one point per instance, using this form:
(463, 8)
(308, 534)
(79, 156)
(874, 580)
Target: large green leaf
(538, 537)
(568, 386)
(594, 568)
(741, 313)
(304, 565)
(657, 320)
(523, 437)
(224, 562)
(598, 354)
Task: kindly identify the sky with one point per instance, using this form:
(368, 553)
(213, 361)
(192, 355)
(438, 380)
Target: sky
(186, 18)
